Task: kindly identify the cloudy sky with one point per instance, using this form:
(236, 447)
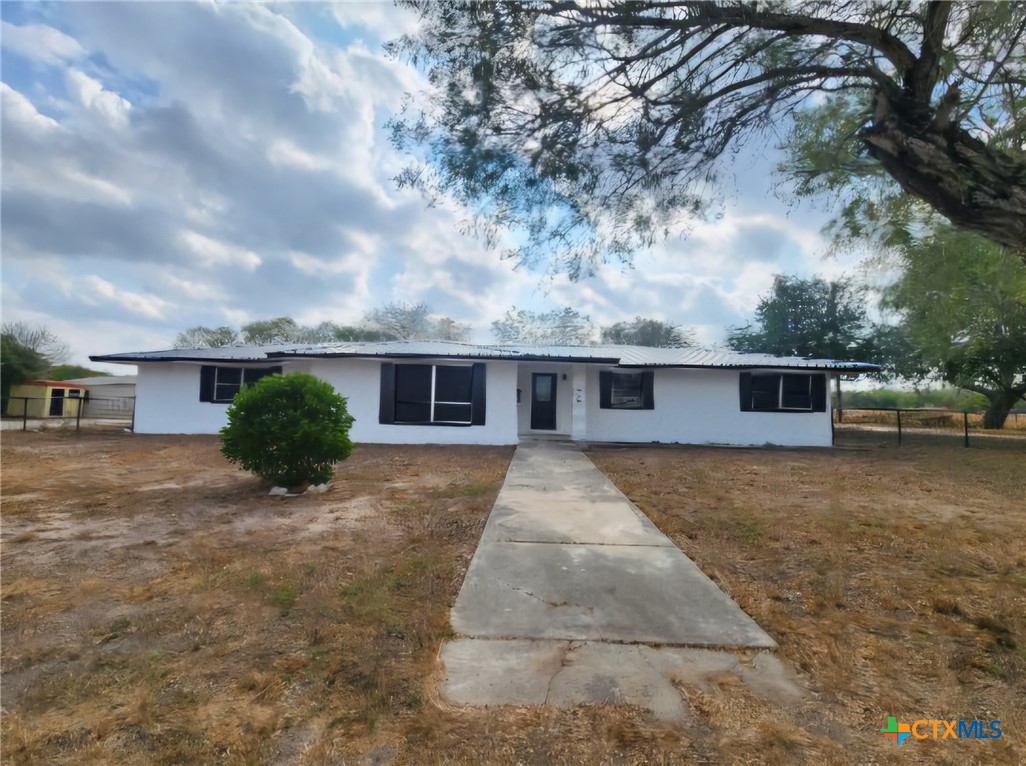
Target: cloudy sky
(167, 165)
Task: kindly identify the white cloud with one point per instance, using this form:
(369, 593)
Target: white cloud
(384, 20)
(18, 111)
(213, 253)
(142, 304)
(284, 152)
(229, 163)
(313, 266)
(90, 93)
(41, 43)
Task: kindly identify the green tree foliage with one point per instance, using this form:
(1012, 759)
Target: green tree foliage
(591, 129)
(961, 306)
(40, 339)
(559, 327)
(289, 430)
(343, 333)
(809, 317)
(18, 363)
(946, 397)
(394, 321)
(73, 372)
(414, 321)
(26, 351)
(647, 332)
(278, 330)
(207, 337)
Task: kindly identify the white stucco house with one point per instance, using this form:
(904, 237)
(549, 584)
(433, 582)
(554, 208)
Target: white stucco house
(436, 392)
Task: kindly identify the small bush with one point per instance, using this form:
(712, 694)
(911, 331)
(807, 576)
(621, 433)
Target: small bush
(289, 430)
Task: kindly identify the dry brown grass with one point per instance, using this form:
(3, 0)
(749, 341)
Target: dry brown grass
(158, 608)
(894, 580)
(942, 420)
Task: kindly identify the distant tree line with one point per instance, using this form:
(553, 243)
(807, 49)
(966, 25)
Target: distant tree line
(404, 321)
(955, 315)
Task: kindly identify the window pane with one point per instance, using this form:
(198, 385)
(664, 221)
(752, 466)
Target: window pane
(452, 413)
(225, 392)
(229, 374)
(765, 392)
(412, 393)
(413, 382)
(797, 392)
(412, 412)
(626, 391)
(543, 388)
(253, 375)
(452, 384)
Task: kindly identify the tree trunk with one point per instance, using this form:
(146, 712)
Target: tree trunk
(974, 185)
(1001, 403)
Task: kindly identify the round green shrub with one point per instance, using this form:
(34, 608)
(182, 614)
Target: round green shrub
(289, 430)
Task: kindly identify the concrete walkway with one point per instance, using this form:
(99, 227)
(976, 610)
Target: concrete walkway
(568, 569)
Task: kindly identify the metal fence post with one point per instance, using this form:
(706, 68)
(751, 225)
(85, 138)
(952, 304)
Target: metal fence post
(132, 426)
(899, 428)
(24, 413)
(78, 416)
(965, 426)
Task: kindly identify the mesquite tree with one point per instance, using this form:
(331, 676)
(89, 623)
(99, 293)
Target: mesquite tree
(591, 129)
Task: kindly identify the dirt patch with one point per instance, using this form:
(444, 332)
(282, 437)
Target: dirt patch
(159, 608)
(893, 580)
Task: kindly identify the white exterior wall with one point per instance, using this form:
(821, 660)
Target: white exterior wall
(167, 398)
(694, 406)
(564, 396)
(359, 380)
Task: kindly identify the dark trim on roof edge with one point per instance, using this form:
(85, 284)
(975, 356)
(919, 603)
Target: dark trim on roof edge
(862, 367)
(118, 359)
(492, 358)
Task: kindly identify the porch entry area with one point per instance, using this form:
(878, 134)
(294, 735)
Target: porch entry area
(545, 396)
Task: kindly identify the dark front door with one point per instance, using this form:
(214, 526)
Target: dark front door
(543, 401)
(57, 403)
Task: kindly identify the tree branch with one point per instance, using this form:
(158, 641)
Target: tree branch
(700, 14)
(923, 75)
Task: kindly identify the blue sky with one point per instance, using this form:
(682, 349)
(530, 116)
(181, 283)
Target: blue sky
(169, 164)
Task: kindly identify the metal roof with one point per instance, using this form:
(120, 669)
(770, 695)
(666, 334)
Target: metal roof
(253, 353)
(107, 380)
(51, 383)
(622, 356)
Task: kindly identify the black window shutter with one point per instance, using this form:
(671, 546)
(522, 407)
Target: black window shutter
(477, 400)
(647, 390)
(745, 387)
(605, 390)
(819, 395)
(386, 406)
(207, 373)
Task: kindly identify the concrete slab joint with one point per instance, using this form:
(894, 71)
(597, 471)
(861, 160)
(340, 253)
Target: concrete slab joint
(574, 595)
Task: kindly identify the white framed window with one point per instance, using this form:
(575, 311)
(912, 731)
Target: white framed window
(220, 384)
(782, 392)
(626, 390)
(432, 394)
